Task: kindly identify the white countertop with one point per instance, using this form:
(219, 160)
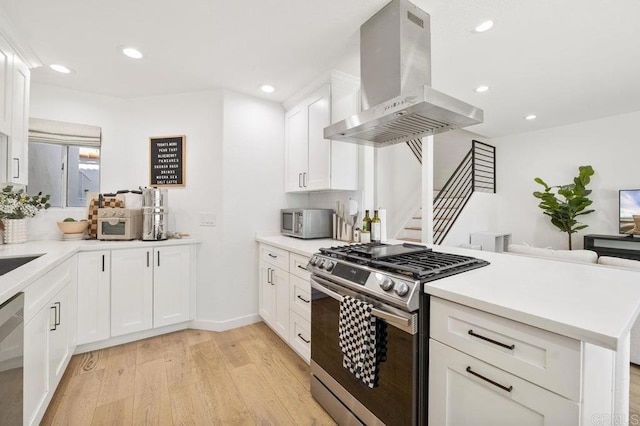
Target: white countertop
(592, 303)
(589, 302)
(297, 245)
(54, 252)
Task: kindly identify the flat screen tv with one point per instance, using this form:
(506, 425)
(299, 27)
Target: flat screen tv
(630, 211)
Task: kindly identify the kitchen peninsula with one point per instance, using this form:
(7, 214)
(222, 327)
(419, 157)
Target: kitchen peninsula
(565, 327)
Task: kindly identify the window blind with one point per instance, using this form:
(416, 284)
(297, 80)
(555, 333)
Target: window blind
(61, 133)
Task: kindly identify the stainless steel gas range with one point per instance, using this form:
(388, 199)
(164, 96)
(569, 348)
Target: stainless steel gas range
(369, 328)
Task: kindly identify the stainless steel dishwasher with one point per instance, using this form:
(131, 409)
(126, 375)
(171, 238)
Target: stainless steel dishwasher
(11, 360)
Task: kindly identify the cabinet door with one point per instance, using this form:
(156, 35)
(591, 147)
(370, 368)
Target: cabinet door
(266, 293)
(274, 298)
(171, 285)
(94, 292)
(58, 336)
(280, 281)
(36, 366)
(18, 141)
(319, 117)
(6, 70)
(131, 291)
(464, 390)
(296, 149)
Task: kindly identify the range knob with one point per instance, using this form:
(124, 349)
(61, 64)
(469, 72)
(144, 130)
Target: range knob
(386, 284)
(313, 261)
(320, 263)
(402, 289)
(328, 265)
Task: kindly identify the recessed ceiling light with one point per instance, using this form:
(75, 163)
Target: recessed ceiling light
(132, 52)
(481, 89)
(530, 117)
(60, 68)
(267, 88)
(485, 26)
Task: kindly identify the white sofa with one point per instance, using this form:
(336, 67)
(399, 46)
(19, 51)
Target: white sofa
(588, 256)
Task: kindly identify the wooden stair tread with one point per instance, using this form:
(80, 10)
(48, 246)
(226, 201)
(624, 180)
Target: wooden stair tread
(413, 240)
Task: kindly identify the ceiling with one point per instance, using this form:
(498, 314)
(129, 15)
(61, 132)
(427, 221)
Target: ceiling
(564, 61)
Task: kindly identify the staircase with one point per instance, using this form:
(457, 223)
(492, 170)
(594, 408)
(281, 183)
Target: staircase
(476, 172)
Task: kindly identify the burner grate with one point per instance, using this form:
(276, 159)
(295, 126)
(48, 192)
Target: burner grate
(429, 266)
(411, 260)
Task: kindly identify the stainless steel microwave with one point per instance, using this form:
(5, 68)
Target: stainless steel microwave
(307, 223)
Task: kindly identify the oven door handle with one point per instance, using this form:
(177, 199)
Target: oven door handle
(408, 324)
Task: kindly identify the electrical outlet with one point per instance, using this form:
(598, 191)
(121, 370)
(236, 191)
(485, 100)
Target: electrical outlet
(207, 219)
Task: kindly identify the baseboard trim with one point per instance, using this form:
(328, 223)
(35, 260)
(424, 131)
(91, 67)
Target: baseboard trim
(207, 325)
(210, 325)
(127, 338)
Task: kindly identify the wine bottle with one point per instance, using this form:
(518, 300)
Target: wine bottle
(376, 231)
(366, 222)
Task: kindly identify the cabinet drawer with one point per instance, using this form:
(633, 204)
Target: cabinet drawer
(44, 288)
(466, 391)
(544, 358)
(275, 256)
(300, 300)
(300, 335)
(298, 266)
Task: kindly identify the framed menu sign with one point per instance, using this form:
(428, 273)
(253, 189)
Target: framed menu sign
(166, 161)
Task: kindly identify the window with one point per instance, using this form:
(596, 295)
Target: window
(64, 161)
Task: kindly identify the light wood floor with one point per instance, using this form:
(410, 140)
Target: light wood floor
(192, 377)
(242, 376)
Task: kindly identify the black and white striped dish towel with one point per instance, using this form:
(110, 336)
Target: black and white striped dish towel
(362, 340)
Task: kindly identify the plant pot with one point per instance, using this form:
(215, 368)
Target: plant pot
(15, 230)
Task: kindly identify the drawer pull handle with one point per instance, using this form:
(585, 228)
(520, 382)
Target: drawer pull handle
(305, 340)
(273, 255)
(302, 267)
(495, 342)
(480, 376)
(304, 300)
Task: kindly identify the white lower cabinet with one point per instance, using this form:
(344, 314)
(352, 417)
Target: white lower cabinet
(490, 370)
(94, 290)
(470, 391)
(274, 298)
(136, 289)
(285, 297)
(131, 291)
(300, 335)
(49, 337)
(36, 367)
(171, 285)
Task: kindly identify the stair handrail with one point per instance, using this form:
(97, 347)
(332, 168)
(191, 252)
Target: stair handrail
(470, 176)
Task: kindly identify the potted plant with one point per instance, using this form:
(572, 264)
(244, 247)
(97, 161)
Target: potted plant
(15, 207)
(563, 212)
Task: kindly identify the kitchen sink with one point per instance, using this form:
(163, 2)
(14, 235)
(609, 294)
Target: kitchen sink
(8, 264)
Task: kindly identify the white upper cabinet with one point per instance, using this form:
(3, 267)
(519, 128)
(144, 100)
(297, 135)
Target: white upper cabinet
(6, 69)
(19, 139)
(313, 163)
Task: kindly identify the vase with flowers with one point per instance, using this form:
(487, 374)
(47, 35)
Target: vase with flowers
(16, 206)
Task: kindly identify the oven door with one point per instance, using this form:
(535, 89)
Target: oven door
(347, 399)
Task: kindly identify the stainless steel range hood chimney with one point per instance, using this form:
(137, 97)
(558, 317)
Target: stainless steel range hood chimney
(397, 99)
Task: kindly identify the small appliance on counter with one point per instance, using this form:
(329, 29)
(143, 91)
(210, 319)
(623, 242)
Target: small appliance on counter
(307, 223)
(155, 213)
(119, 224)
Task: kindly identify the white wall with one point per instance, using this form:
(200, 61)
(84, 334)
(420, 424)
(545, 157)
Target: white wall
(398, 185)
(253, 194)
(479, 215)
(234, 162)
(610, 145)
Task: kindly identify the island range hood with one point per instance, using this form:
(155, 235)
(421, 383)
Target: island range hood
(398, 102)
